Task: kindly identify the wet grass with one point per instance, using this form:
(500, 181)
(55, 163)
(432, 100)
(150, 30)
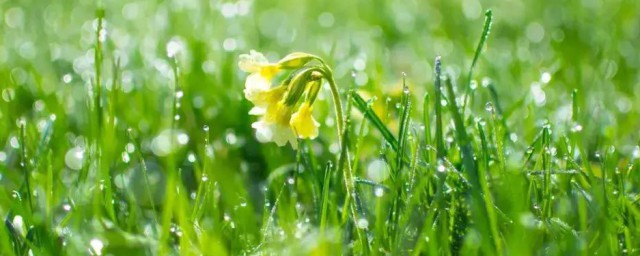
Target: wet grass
(117, 161)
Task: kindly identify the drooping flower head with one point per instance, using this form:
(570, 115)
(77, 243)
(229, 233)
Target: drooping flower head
(276, 105)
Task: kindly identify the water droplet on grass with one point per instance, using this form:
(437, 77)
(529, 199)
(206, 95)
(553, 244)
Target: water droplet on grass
(636, 152)
(473, 85)
(96, 246)
(125, 157)
(74, 158)
(576, 128)
(13, 141)
(545, 77)
(362, 223)
(489, 107)
(513, 137)
(231, 138)
(377, 170)
(379, 192)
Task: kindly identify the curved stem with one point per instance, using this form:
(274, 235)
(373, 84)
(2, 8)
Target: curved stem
(351, 201)
(337, 104)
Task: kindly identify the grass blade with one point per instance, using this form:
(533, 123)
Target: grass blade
(361, 105)
(488, 20)
(440, 149)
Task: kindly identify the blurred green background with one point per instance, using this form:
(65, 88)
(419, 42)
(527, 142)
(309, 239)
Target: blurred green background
(538, 52)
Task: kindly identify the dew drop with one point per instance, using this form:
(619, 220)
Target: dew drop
(473, 85)
(96, 246)
(489, 107)
(183, 138)
(191, 158)
(362, 223)
(545, 77)
(379, 192)
(513, 137)
(576, 128)
(67, 78)
(636, 152)
(125, 157)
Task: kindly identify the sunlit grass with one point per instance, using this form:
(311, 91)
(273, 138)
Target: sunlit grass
(126, 131)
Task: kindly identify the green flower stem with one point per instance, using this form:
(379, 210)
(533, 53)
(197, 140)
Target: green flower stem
(337, 104)
(351, 201)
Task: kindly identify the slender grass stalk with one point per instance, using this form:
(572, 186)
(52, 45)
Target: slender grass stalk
(479, 211)
(484, 184)
(369, 114)
(404, 124)
(488, 20)
(172, 172)
(440, 149)
(23, 165)
(427, 127)
(325, 197)
(546, 167)
(145, 175)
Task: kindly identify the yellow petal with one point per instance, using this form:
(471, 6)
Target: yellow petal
(255, 85)
(279, 134)
(268, 97)
(252, 62)
(278, 113)
(303, 123)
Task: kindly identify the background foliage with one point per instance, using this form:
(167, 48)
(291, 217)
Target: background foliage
(143, 161)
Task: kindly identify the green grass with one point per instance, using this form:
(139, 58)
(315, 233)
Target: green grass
(125, 130)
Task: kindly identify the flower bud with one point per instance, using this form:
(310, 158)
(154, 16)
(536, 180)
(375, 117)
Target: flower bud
(296, 60)
(297, 86)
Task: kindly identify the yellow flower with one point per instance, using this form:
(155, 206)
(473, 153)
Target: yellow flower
(276, 105)
(263, 99)
(274, 125)
(256, 62)
(261, 73)
(303, 123)
(266, 132)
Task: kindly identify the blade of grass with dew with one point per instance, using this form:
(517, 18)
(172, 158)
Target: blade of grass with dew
(482, 172)
(361, 105)
(404, 124)
(361, 135)
(488, 20)
(441, 151)
(479, 211)
(426, 232)
(325, 197)
(546, 167)
(427, 128)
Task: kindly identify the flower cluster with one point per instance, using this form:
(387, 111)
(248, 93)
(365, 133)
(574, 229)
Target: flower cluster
(285, 110)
